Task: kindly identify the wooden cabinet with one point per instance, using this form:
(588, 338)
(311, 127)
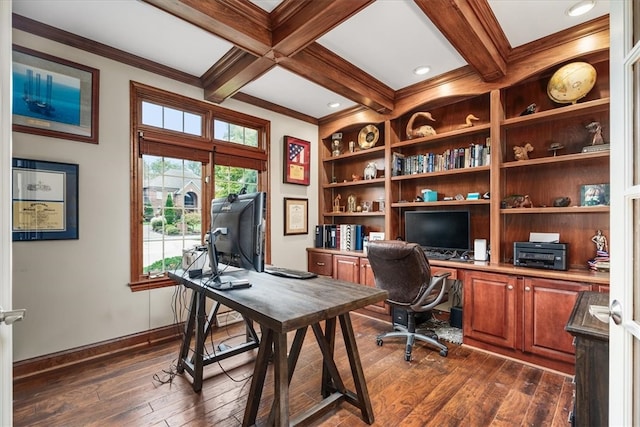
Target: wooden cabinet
(346, 268)
(547, 305)
(521, 317)
(490, 307)
(367, 279)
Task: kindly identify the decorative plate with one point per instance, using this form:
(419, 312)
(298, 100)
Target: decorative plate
(368, 137)
(571, 82)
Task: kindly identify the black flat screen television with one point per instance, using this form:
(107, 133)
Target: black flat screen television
(438, 230)
(237, 232)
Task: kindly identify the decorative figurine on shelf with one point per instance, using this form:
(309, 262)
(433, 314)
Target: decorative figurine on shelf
(351, 203)
(513, 201)
(596, 129)
(355, 177)
(522, 153)
(336, 144)
(421, 131)
(336, 204)
(532, 108)
(366, 207)
(526, 203)
(352, 146)
(371, 170)
(561, 202)
(555, 146)
(468, 121)
(601, 242)
(601, 260)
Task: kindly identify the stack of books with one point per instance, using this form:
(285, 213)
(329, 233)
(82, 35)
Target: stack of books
(600, 262)
(346, 237)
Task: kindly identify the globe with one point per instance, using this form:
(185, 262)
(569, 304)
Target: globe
(571, 82)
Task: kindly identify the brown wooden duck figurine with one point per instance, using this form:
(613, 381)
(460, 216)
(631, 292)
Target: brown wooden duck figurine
(468, 121)
(421, 131)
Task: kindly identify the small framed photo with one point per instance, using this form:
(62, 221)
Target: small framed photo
(594, 195)
(44, 200)
(54, 97)
(297, 161)
(296, 216)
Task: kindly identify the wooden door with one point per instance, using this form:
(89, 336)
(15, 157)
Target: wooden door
(346, 268)
(547, 306)
(490, 308)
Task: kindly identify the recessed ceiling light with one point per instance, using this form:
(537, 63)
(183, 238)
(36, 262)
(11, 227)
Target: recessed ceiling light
(581, 8)
(333, 104)
(422, 70)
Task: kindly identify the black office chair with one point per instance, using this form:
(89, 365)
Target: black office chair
(402, 269)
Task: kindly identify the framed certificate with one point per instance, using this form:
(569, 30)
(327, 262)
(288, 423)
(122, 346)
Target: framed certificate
(296, 216)
(44, 200)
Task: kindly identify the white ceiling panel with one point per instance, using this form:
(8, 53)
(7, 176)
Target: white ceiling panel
(287, 89)
(389, 39)
(134, 27)
(524, 21)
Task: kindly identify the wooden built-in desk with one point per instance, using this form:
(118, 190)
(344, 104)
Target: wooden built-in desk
(281, 305)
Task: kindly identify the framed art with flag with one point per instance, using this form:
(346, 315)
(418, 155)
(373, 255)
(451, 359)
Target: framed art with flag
(297, 160)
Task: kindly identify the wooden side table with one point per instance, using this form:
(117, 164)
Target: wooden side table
(591, 405)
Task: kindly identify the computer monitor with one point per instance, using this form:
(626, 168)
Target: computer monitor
(438, 230)
(237, 233)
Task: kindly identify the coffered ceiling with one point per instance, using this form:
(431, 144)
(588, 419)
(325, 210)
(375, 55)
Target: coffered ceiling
(298, 56)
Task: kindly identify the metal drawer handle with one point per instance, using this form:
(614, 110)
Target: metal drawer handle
(321, 264)
(527, 289)
(510, 287)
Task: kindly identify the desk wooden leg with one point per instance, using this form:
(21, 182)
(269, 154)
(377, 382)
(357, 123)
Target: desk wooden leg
(281, 380)
(257, 382)
(356, 368)
(328, 386)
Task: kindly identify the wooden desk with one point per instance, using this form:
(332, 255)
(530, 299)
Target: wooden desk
(281, 305)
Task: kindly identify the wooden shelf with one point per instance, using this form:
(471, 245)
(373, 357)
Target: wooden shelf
(559, 113)
(440, 203)
(557, 159)
(371, 152)
(432, 139)
(442, 173)
(354, 183)
(361, 214)
(554, 210)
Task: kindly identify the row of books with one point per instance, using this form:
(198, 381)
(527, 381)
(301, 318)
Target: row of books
(455, 158)
(346, 237)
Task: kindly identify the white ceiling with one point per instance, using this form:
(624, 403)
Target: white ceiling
(387, 40)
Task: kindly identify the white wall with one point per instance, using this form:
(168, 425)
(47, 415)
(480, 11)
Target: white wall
(75, 291)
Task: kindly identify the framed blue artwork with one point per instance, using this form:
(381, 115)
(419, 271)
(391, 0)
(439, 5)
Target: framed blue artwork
(54, 97)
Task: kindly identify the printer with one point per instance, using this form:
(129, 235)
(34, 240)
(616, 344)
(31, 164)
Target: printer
(550, 256)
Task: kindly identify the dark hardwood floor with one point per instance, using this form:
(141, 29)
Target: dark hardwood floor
(467, 388)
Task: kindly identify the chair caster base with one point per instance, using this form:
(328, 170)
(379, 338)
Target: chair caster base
(379, 342)
(444, 353)
(407, 357)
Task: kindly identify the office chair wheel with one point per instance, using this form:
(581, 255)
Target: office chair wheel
(407, 357)
(379, 342)
(444, 353)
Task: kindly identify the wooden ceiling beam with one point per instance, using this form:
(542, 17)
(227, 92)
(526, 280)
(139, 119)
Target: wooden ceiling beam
(296, 24)
(470, 27)
(232, 72)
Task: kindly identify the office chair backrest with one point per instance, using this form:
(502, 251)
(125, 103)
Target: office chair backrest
(400, 268)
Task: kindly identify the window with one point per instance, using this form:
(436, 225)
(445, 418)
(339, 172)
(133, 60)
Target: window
(185, 152)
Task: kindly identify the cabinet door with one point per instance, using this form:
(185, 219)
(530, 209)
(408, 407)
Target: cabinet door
(320, 263)
(489, 310)
(367, 279)
(547, 307)
(346, 268)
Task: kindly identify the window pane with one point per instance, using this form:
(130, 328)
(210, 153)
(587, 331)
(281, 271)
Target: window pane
(221, 130)
(230, 179)
(172, 211)
(236, 134)
(193, 124)
(151, 114)
(251, 137)
(173, 119)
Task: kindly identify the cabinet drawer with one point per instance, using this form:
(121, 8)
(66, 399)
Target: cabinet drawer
(320, 263)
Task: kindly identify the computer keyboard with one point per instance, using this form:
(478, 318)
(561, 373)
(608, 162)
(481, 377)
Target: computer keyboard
(286, 272)
(437, 255)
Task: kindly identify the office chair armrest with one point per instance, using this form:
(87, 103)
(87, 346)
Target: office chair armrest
(437, 280)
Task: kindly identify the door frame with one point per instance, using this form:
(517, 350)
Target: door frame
(622, 378)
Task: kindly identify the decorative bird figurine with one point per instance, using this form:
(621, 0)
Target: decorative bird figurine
(532, 108)
(468, 121)
(421, 131)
